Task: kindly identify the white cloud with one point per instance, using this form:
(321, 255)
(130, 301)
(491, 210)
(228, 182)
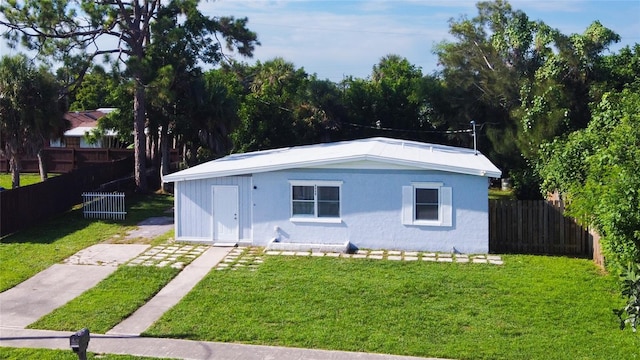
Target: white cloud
(334, 44)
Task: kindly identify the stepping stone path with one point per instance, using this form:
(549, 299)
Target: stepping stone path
(396, 255)
(251, 257)
(179, 255)
(172, 254)
(242, 257)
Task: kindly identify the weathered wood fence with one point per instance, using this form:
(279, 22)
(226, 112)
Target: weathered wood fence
(63, 160)
(30, 205)
(536, 227)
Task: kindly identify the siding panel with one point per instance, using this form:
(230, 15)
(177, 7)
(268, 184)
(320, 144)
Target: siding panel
(194, 204)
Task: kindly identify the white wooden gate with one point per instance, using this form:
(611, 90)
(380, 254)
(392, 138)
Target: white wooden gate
(98, 205)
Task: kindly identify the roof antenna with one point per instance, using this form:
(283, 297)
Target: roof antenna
(475, 147)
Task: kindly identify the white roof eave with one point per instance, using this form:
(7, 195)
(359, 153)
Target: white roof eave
(412, 155)
(176, 177)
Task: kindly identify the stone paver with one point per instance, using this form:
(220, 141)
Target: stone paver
(105, 254)
(168, 254)
(397, 255)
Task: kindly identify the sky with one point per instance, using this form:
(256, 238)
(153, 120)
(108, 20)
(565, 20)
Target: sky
(338, 38)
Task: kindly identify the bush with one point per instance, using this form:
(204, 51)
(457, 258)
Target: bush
(630, 314)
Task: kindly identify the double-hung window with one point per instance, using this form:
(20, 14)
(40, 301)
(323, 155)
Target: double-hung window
(427, 204)
(315, 200)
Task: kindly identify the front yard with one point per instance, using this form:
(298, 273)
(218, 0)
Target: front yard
(28, 252)
(532, 307)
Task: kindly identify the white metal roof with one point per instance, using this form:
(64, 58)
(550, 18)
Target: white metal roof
(83, 130)
(373, 152)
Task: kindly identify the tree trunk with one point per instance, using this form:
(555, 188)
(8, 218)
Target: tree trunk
(139, 138)
(14, 166)
(42, 165)
(165, 157)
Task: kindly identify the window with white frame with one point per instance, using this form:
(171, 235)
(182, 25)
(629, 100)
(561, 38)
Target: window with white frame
(56, 143)
(426, 203)
(315, 200)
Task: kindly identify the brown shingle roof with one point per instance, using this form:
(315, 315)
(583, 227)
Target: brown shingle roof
(83, 118)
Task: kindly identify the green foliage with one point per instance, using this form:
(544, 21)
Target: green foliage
(630, 313)
(98, 90)
(526, 184)
(530, 82)
(30, 110)
(284, 106)
(68, 31)
(597, 170)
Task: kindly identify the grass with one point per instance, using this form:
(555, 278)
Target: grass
(499, 194)
(25, 179)
(533, 307)
(47, 354)
(28, 252)
(110, 302)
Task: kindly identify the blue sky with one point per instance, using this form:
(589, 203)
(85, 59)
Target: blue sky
(337, 38)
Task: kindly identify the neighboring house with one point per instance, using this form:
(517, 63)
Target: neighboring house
(83, 122)
(376, 193)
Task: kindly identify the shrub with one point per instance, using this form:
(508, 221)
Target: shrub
(630, 314)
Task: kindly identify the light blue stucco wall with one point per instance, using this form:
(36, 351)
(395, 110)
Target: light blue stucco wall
(371, 206)
(194, 207)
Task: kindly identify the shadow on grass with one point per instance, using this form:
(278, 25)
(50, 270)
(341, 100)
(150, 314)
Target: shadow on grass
(139, 207)
(182, 336)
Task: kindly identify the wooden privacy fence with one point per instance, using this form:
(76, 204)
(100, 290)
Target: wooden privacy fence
(99, 205)
(64, 160)
(535, 227)
(29, 205)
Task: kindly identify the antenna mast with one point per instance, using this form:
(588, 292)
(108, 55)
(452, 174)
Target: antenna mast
(475, 143)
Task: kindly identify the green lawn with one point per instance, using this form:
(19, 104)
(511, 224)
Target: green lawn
(499, 194)
(47, 354)
(25, 179)
(533, 307)
(110, 302)
(28, 252)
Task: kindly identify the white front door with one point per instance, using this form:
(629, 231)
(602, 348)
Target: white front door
(225, 213)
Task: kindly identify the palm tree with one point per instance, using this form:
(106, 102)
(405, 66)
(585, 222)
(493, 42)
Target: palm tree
(29, 111)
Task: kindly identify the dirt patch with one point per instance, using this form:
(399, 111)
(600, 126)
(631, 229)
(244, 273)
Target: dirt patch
(146, 231)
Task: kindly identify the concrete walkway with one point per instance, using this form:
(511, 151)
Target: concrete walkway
(60, 283)
(55, 286)
(36, 297)
(169, 296)
(178, 349)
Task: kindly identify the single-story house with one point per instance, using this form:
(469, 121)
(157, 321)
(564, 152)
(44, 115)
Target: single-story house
(82, 123)
(375, 193)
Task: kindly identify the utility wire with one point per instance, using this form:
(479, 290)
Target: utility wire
(412, 131)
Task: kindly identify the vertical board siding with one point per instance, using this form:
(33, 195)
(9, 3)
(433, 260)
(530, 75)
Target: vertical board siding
(194, 207)
(535, 227)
